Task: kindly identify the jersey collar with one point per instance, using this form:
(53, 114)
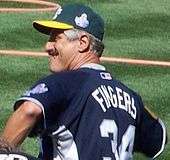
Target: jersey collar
(93, 66)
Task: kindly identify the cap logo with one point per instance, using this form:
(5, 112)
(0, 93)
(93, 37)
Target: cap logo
(82, 21)
(58, 12)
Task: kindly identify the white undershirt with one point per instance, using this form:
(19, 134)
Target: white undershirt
(93, 66)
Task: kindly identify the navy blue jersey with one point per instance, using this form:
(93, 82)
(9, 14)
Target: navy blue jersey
(89, 115)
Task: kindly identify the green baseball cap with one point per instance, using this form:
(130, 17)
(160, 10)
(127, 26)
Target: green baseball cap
(71, 16)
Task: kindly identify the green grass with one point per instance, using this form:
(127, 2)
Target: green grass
(18, 73)
(4, 4)
(134, 29)
(13, 36)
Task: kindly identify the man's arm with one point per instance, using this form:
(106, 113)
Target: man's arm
(151, 136)
(21, 123)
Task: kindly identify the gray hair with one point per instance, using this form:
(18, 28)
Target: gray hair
(96, 45)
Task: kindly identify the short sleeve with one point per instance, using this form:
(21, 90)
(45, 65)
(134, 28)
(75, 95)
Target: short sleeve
(47, 94)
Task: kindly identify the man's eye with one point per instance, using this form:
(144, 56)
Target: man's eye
(57, 38)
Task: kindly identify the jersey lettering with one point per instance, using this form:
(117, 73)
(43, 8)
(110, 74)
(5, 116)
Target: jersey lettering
(108, 97)
(126, 147)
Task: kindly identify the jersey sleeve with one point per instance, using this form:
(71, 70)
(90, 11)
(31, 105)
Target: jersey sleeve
(151, 136)
(48, 95)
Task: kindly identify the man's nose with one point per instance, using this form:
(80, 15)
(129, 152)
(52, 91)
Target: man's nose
(49, 47)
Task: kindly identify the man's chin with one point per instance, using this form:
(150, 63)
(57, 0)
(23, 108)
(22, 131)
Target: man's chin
(55, 70)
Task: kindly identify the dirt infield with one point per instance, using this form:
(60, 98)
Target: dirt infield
(49, 6)
(103, 59)
(52, 7)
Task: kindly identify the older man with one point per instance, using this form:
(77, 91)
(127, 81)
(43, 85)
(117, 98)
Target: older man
(80, 112)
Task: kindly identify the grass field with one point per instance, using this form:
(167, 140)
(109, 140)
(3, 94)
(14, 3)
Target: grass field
(20, 5)
(135, 29)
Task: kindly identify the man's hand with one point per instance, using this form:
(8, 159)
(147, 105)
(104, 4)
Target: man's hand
(5, 146)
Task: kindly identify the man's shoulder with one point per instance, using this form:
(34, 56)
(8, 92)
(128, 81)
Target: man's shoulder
(66, 76)
(126, 87)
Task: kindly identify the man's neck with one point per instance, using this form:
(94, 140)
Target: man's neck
(83, 59)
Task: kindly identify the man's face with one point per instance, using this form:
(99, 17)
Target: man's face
(61, 51)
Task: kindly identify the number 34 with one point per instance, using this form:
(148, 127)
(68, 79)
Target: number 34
(125, 149)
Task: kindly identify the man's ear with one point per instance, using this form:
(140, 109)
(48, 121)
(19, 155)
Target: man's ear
(84, 43)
